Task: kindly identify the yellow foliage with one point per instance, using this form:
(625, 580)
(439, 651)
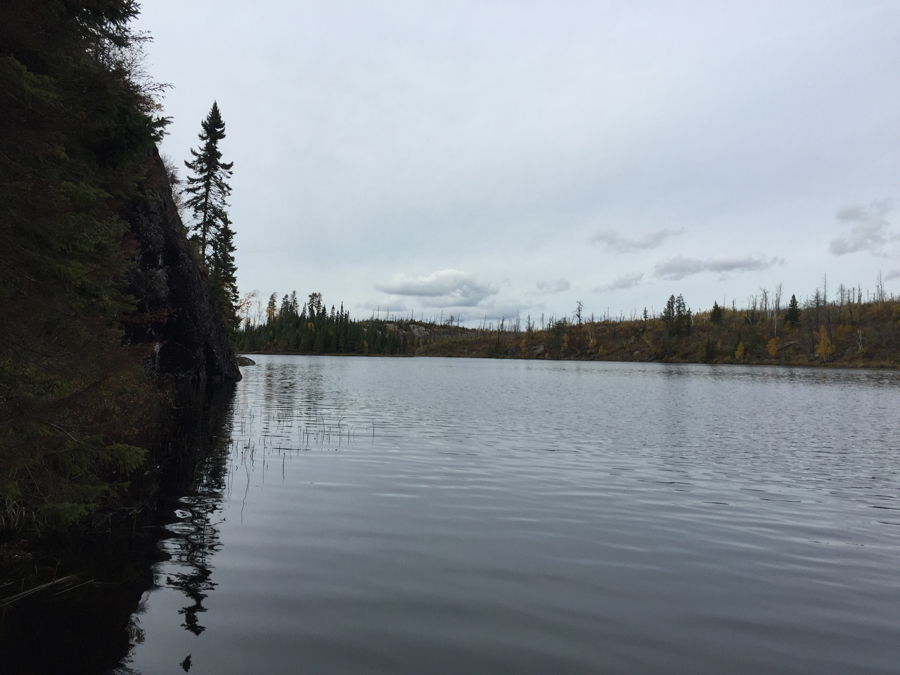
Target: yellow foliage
(565, 343)
(839, 333)
(772, 346)
(824, 348)
(739, 352)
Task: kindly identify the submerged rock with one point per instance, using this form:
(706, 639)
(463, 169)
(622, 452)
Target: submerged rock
(188, 336)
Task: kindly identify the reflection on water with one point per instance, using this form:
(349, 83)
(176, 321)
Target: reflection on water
(91, 626)
(192, 538)
(447, 516)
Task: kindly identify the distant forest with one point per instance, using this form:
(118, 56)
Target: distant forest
(845, 328)
(311, 328)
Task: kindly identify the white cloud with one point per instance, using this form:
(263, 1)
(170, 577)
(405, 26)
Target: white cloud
(621, 283)
(618, 244)
(681, 266)
(554, 286)
(869, 231)
(446, 288)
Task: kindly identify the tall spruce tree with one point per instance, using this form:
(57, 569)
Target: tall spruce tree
(209, 189)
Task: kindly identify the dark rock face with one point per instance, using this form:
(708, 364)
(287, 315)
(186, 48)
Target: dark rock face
(188, 337)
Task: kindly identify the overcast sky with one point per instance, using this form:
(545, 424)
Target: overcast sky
(484, 158)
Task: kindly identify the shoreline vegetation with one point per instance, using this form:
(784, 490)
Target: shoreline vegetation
(841, 331)
(106, 301)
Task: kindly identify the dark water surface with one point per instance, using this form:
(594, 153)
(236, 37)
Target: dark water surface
(480, 516)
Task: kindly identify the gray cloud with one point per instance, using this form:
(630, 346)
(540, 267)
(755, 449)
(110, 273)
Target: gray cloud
(621, 283)
(893, 274)
(554, 286)
(384, 307)
(445, 288)
(681, 266)
(503, 309)
(869, 231)
(618, 244)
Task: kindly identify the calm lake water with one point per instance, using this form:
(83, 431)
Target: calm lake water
(480, 516)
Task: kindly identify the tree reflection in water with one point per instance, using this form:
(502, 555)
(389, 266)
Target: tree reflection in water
(194, 538)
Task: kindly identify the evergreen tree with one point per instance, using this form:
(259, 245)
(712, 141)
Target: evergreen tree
(223, 274)
(272, 308)
(77, 128)
(676, 316)
(682, 322)
(668, 315)
(792, 316)
(715, 316)
(208, 187)
(285, 310)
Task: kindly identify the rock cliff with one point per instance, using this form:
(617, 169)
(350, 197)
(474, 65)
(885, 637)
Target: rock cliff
(188, 337)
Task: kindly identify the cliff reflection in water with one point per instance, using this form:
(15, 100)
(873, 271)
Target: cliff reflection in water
(199, 437)
(95, 627)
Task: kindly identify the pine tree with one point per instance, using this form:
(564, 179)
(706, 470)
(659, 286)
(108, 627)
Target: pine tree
(792, 316)
(208, 187)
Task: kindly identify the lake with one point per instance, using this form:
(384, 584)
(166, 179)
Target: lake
(375, 515)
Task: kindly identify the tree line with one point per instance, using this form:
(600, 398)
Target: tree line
(844, 328)
(311, 327)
